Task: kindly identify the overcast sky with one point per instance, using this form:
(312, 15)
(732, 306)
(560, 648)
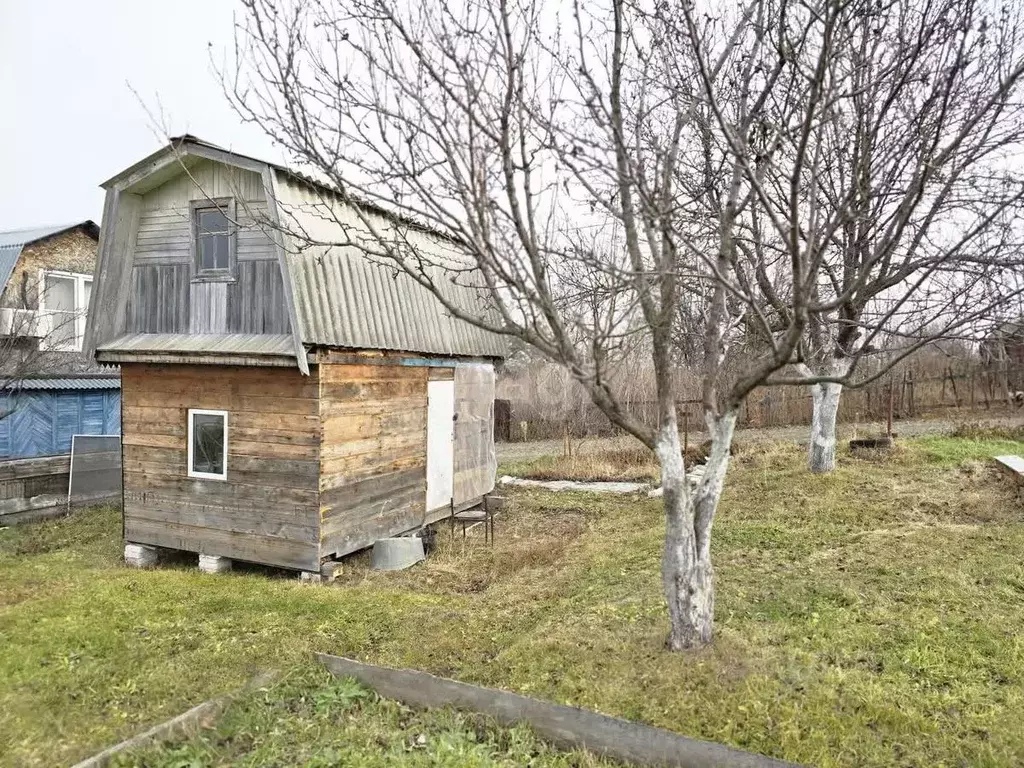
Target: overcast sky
(70, 120)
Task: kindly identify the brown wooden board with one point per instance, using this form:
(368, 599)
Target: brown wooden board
(373, 452)
(267, 510)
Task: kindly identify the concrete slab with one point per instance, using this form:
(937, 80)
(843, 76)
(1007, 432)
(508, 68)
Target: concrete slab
(140, 555)
(214, 564)
(396, 553)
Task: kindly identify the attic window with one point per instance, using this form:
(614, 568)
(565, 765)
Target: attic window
(213, 239)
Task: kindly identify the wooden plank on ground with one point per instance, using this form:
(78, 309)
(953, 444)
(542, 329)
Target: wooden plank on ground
(562, 725)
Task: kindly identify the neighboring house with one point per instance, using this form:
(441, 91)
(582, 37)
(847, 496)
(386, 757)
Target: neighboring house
(281, 405)
(49, 390)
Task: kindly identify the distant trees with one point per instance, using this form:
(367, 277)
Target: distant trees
(754, 193)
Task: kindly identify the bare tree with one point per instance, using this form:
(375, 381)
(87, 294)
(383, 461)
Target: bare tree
(519, 130)
(914, 190)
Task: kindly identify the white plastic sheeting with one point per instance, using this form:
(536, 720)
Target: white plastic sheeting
(440, 443)
(476, 463)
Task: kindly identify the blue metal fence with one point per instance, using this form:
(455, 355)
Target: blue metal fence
(41, 422)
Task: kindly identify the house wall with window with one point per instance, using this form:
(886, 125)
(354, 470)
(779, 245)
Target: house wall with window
(265, 508)
(54, 276)
(204, 260)
(71, 252)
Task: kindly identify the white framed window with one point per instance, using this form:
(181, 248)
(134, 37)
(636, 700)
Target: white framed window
(207, 444)
(64, 305)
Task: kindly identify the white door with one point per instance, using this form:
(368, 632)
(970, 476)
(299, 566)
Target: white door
(440, 443)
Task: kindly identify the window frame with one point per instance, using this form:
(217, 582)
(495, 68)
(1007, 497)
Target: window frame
(225, 205)
(191, 458)
(80, 312)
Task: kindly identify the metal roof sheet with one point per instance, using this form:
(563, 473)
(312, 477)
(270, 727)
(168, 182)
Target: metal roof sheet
(346, 298)
(23, 237)
(215, 344)
(8, 258)
(83, 382)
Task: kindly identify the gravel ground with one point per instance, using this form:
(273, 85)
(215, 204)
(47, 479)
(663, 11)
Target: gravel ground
(799, 434)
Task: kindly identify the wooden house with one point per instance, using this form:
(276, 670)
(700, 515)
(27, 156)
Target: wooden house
(281, 404)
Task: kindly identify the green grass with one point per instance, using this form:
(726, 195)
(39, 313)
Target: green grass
(314, 720)
(867, 617)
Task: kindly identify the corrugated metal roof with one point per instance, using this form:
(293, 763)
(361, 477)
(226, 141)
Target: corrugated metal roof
(214, 344)
(8, 258)
(85, 382)
(22, 237)
(345, 298)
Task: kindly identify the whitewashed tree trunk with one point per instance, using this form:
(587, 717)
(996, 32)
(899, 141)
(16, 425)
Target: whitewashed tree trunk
(821, 453)
(686, 571)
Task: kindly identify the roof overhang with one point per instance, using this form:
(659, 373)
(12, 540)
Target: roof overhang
(200, 349)
(179, 155)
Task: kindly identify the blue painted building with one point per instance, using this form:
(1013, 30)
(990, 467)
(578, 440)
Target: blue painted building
(41, 414)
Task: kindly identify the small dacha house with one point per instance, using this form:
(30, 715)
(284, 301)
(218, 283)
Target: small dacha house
(282, 405)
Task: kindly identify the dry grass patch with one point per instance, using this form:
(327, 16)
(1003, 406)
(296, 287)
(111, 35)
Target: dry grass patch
(627, 464)
(528, 537)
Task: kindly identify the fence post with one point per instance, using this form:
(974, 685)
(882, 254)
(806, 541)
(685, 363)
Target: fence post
(888, 427)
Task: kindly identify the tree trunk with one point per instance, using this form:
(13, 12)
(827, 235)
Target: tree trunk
(686, 569)
(821, 453)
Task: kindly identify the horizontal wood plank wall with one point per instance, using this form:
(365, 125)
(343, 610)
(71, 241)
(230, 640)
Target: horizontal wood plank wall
(373, 453)
(267, 509)
(36, 485)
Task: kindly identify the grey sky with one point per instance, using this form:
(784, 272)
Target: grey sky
(70, 120)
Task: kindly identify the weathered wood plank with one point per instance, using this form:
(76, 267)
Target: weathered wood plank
(562, 725)
(159, 300)
(259, 522)
(268, 550)
(256, 302)
(208, 307)
(34, 467)
(334, 500)
(226, 492)
(350, 373)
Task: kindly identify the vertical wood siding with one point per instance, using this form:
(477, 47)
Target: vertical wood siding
(208, 308)
(256, 301)
(159, 301)
(267, 509)
(373, 453)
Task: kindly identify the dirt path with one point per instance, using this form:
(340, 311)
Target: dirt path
(799, 434)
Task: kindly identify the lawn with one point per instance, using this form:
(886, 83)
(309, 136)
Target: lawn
(867, 617)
